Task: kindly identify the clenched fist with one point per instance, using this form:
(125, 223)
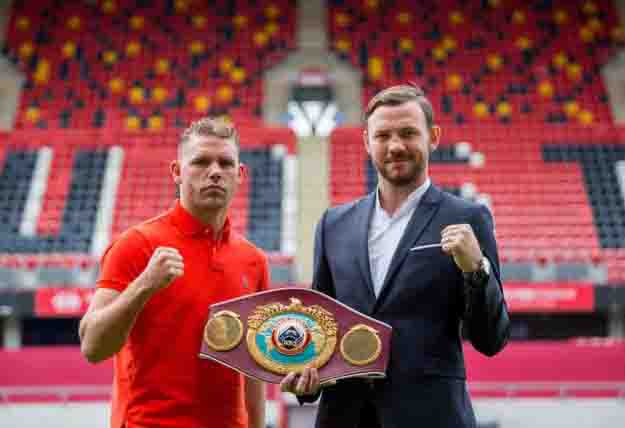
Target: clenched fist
(165, 265)
(459, 241)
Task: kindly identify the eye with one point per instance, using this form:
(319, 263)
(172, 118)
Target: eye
(226, 163)
(408, 133)
(199, 161)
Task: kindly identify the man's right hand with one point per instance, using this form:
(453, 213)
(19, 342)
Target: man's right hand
(304, 383)
(165, 265)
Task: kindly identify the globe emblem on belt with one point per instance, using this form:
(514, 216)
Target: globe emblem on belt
(290, 336)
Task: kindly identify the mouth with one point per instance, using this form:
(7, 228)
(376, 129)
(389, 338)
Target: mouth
(212, 189)
(397, 160)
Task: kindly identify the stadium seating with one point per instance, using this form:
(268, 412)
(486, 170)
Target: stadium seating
(520, 82)
(131, 74)
(144, 64)
(58, 253)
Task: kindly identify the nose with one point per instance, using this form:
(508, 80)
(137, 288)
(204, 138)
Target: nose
(214, 172)
(395, 144)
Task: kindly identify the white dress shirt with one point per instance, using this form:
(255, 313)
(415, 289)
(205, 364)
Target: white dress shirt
(386, 231)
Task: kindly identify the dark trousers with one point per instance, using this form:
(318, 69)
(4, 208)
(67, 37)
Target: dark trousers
(369, 417)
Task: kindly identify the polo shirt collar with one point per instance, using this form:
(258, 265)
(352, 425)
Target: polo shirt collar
(191, 226)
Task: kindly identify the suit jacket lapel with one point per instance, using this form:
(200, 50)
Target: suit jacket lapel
(418, 222)
(362, 231)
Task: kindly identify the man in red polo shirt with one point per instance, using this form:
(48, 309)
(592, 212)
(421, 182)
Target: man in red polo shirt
(157, 281)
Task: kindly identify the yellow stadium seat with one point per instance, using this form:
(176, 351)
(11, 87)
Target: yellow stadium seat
(560, 16)
(560, 59)
(545, 89)
(137, 22)
(449, 43)
(68, 50)
(574, 71)
(133, 49)
(404, 18)
(585, 117)
(343, 45)
(571, 109)
(239, 21)
(109, 7)
(32, 114)
(41, 75)
(199, 21)
(159, 94)
(238, 75)
(136, 95)
(161, 66)
(595, 24)
(74, 23)
(109, 57)
(271, 28)
(272, 11)
(155, 123)
(454, 82)
(504, 109)
(225, 65)
(456, 17)
(201, 104)
(261, 39)
(196, 47)
(406, 45)
(439, 54)
(22, 23)
(225, 94)
(480, 110)
(26, 50)
(586, 35)
(494, 62)
(117, 85)
(375, 68)
(518, 17)
(590, 8)
(181, 6)
(342, 19)
(133, 123)
(372, 4)
(523, 42)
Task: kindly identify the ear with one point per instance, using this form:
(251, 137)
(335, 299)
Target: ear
(435, 137)
(174, 169)
(365, 138)
(243, 171)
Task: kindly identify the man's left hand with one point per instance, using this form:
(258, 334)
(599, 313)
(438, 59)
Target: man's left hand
(459, 241)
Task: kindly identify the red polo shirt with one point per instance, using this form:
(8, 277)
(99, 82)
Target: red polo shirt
(159, 379)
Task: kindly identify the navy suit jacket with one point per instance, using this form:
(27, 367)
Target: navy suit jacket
(425, 299)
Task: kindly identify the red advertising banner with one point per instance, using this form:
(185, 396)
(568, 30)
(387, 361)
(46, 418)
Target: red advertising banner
(62, 302)
(521, 297)
(550, 297)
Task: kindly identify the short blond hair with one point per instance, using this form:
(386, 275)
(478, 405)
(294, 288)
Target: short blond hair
(210, 127)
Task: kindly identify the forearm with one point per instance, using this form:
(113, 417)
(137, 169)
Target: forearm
(255, 402)
(104, 331)
(486, 318)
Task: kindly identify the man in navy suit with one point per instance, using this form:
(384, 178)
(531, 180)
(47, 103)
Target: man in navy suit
(376, 255)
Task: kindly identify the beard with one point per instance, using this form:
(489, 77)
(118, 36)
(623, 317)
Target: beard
(404, 175)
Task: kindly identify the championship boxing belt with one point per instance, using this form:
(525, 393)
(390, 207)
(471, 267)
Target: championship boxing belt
(271, 333)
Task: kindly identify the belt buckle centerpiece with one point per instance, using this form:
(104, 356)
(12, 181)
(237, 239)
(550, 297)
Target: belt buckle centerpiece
(283, 338)
(288, 329)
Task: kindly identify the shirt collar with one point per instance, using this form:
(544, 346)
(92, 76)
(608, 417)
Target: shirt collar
(190, 226)
(408, 205)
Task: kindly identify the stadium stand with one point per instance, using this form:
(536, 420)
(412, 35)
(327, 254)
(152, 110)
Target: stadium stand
(521, 87)
(130, 75)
